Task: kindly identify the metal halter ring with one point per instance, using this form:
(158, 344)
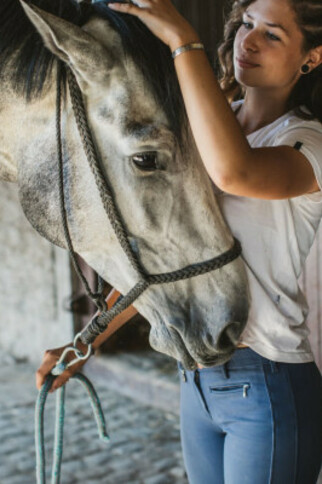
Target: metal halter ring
(61, 365)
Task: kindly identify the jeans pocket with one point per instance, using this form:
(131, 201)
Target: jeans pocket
(199, 392)
(237, 388)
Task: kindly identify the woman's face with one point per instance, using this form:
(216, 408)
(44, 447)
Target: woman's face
(268, 47)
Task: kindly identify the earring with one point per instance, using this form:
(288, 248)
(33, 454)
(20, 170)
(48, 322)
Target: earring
(305, 69)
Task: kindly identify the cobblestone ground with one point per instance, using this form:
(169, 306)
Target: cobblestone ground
(144, 448)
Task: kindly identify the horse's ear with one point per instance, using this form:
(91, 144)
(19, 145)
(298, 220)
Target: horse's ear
(70, 43)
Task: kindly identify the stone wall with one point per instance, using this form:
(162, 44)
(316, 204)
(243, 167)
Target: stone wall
(34, 281)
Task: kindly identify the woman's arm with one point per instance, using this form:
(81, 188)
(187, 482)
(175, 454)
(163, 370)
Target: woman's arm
(52, 356)
(235, 167)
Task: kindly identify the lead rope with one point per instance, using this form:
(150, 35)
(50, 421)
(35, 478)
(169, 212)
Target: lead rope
(100, 322)
(60, 367)
(97, 297)
(102, 184)
(59, 425)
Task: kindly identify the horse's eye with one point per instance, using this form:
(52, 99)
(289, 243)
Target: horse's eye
(146, 161)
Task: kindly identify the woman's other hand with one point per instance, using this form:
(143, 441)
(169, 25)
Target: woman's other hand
(162, 18)
(50, 360)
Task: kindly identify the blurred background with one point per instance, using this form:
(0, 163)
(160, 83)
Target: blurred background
(43, 304)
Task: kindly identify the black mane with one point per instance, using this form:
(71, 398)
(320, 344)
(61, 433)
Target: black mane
(34, 62)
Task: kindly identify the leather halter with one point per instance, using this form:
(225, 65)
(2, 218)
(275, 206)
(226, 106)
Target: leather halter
(99, 323)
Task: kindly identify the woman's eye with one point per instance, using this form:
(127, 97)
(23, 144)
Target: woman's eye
(247, 25)
(145, 161)
(272, 36)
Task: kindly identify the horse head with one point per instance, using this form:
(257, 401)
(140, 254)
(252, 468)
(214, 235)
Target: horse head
(149, 158)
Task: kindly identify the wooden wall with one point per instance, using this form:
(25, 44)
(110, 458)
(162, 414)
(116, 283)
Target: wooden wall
(207, 18)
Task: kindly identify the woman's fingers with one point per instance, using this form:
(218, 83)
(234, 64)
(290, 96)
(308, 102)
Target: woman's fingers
(131, 8)
(141, 3)
(62, 379)
(40, 378)
(49, 361)
(161, 17)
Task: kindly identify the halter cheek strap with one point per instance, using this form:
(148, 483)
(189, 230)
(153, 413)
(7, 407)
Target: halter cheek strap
(99, 323)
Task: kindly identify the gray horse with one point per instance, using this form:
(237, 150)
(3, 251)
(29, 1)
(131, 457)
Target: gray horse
(147, 152)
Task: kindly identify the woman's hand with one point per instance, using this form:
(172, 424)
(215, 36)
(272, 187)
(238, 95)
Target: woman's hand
(161, 17)
(49, 362)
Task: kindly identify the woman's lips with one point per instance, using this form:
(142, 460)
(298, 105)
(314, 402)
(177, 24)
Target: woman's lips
(246, 64)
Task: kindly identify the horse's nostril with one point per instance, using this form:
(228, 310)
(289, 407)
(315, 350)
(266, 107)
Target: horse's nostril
(176, 325)
(209, 339)
(224, 341)
(234, 331)
(229, 336)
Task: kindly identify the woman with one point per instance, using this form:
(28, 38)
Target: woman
(258, 418)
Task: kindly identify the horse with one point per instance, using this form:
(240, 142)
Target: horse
(161, 189)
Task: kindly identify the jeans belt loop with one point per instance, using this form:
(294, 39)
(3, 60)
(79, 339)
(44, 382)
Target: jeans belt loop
(182, 371)
(225, 370)
(274, 366)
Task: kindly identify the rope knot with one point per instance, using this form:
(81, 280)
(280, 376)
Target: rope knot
(100, 302)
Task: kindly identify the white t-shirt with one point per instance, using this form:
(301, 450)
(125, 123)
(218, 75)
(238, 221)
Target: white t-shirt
(276, 236)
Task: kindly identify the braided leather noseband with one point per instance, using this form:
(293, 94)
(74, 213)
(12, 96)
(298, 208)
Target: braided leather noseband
(99, 323)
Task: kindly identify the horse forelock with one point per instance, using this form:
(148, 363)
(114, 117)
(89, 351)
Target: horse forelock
(29, 63)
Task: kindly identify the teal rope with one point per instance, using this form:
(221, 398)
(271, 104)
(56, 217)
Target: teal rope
(59, 435)
(96, 406)
(59, 425)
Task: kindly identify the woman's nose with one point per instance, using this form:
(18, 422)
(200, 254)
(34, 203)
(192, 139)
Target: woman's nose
(250, 41)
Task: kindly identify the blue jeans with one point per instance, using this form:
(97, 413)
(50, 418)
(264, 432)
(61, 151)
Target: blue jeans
(252, 421)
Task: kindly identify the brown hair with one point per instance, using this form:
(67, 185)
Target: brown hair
(308, 90)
